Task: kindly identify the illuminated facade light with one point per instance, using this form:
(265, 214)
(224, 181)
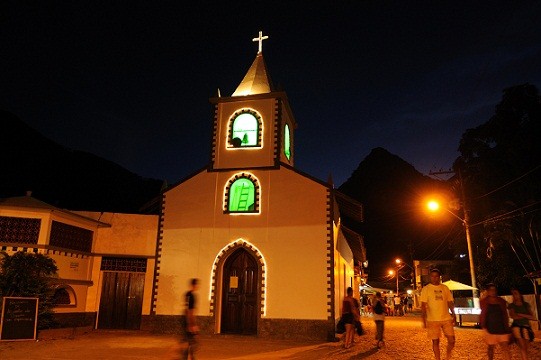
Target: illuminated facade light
(263, 262)
(245, 130)
(287, 142)
(242, 195)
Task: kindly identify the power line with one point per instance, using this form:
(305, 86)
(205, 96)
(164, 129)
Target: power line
(509, 183)
(507, 215)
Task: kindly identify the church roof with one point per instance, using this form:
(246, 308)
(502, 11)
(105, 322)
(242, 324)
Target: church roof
(349, 207)
(256, 80)
(356, 244)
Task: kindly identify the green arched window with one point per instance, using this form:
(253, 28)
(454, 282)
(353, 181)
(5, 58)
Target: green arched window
(241, 196)
(287, 142)
(245, 129)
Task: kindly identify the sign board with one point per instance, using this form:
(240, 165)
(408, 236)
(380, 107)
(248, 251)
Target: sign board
(19, 318)
(467, 311)
(233, 282)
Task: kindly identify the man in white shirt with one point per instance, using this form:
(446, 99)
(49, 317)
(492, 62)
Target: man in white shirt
(438, 310)
(397, 305)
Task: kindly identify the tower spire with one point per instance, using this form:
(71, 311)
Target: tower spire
(256, 80)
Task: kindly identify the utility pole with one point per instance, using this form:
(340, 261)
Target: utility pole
(397, 280)
(466, 224)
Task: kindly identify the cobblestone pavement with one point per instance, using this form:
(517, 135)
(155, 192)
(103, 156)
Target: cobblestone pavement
(405, 339)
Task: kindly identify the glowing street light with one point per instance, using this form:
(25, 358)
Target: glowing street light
(434, 206)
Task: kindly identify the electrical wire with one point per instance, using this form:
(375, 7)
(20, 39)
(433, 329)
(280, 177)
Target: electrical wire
(509, 183)
(508, 215)
(518, 257)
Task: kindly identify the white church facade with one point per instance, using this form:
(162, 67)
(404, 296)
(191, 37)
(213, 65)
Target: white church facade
(264, 239)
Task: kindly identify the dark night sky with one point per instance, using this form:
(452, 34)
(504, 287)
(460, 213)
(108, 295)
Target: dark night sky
(130, 80)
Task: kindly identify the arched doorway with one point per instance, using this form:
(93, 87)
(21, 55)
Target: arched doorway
(240, 293)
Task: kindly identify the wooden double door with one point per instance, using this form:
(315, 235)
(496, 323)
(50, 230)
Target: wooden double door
(121, 301)
(240, 294)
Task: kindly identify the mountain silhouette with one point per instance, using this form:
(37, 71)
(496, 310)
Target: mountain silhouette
(395, 225)
(390, 189)
(66, 178)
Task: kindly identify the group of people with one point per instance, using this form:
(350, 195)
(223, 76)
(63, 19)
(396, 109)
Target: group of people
(494, 320)
(377, 307)
(438, 316)
(396, 305)
(438, 313)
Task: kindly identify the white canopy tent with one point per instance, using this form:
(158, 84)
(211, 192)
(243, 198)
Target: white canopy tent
(372, 290)
(455, 285)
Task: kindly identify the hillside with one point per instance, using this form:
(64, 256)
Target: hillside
(396, 224)
(64, 177)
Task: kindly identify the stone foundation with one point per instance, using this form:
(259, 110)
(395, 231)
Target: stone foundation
(174, 324)
(75, 319)
(293, 329)
(290, 329)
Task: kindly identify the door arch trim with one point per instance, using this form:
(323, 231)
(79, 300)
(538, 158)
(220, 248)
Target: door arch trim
(216, 272)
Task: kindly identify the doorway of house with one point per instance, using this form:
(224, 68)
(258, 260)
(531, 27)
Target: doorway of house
(240, 293)
(121, 300)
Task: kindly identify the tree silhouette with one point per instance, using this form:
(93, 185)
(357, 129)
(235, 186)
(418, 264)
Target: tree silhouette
(501, 162)
(27, 275)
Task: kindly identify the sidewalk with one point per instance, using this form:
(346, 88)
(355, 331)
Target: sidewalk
(404, 335)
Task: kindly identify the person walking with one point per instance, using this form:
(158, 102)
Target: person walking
(379, 318)
(191, 330)
(495, 322)
(436, 303)
(397, 302)
(357, 317)
(348, 317)
(521, 313)
(410, 304)
(390, 302)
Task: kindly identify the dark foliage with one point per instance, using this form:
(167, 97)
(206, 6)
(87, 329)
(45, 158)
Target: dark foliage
(27, 275)
(501, 166)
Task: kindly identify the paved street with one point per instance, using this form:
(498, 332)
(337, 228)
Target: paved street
(405, 339)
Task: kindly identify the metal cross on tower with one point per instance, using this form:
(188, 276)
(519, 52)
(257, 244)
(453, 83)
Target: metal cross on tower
(260, 39)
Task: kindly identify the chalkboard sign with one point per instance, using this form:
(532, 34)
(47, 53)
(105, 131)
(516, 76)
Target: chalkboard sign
(19, 318)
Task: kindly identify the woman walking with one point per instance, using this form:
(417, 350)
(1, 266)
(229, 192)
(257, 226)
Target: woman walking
(521, 313)
(495, 322)
(379, 318)
(348, 317)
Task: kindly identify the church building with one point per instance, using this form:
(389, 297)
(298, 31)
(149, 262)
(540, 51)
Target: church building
(264, 239)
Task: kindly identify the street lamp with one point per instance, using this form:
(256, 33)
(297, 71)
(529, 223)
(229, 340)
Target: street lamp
(435, 206)
(399, 265)
(398, 262)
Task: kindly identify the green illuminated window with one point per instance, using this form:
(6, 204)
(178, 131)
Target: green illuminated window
(241, 195)
(287, 142)
(245, 130)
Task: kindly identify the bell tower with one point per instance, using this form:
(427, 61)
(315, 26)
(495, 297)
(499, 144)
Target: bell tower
(254, 127)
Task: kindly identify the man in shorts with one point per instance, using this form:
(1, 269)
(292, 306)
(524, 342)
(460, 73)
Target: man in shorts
(438, 312)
